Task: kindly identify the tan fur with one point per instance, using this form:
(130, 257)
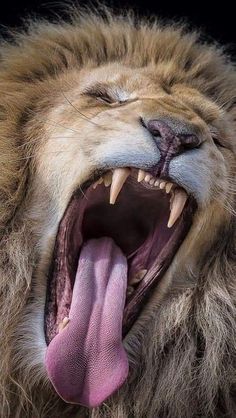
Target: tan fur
(183, 347)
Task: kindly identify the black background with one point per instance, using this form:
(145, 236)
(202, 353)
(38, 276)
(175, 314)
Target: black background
(217, 20)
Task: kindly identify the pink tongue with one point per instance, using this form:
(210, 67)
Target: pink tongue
(86, 362)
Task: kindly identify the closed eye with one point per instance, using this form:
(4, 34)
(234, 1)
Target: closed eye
(99, 92)
(105, 94)
(217, 142)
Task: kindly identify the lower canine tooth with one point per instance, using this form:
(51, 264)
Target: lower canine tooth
(177, 205)
(119, 177)
(63, 324)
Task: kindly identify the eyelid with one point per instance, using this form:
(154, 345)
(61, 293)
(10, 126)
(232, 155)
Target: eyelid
(217, 141)
(216, 137)
(99, 96)
(99, 92)
(113, 96)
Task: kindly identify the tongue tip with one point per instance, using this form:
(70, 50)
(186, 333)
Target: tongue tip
(95, 398)
(87, 395)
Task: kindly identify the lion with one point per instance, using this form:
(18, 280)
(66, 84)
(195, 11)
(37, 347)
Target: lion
(117, 231)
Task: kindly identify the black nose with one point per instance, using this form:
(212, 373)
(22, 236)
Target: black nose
(172, 137)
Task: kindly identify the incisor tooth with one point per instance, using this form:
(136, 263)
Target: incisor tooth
(141, 175)
(119, 177)
(107, 179)
(152, 181)
(147, 178)
(162, 184)
(63, 324)
(138, 276)
(157, 182)
(179, 200)
(99, 181)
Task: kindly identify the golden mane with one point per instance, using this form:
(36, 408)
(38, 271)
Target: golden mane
(196, 350)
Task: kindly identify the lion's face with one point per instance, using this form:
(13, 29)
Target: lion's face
(162, 158)
(117, 197)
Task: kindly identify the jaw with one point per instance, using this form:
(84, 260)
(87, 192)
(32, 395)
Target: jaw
(120, 251)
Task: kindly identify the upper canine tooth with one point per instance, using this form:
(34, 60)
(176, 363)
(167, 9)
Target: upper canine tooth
(119, 177)
(107, 179)
(141, 175)
(169, 187)
(179, 200)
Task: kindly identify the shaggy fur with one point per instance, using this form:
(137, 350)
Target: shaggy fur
(183, 364)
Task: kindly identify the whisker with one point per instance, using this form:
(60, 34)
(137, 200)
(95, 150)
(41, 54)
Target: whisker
(80, 188)
(227, 206)
(52, 122)
(83, 116)
(28, 157)
(75, 138)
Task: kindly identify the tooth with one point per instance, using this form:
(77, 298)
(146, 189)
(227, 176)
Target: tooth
(169, 187)
(138, 276)
(98, 182)
(107, 179)
(179, 200)
(147, 178)
(162, 184)
(152, 181)
(157, 182)
(119, 177)
(63, 324)
(129, 291)
(141, 175)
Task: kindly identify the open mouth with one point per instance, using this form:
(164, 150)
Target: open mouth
(116, 240)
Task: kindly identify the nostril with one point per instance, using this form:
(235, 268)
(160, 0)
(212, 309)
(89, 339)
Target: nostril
(189, 141)
(150, 127)
(156, 132)
(155, 127)
(168, 136)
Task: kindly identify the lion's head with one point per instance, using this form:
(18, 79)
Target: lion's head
(117, 250)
